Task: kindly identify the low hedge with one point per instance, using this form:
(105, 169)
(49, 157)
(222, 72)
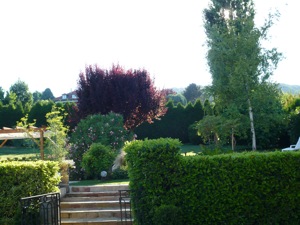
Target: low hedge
(238, 188)
(24, 179)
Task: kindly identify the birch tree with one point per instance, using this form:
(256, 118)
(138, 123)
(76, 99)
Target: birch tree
(238, 63)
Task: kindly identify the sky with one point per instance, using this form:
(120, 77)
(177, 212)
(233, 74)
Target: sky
(47, 44)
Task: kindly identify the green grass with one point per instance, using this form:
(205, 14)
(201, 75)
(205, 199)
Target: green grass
(14, 152)
(189, 149)
(18, 152)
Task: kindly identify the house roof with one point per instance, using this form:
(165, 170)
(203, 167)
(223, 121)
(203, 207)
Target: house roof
(67, 97)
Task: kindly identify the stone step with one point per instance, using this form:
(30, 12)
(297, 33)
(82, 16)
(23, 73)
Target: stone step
(105, 194)
(89, 198)
(89, 204)
(95, 221)
(91, 213)
(99, 188)
(94, 205)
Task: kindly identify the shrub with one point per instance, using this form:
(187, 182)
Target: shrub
(120, 173)
(153, 167)
(98, 158)
(24, 179)
(167, 215)
(194, 138)
(237, 188)
(105, 129)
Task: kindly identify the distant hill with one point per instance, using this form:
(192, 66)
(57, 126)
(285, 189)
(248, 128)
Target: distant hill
(286, 88)
(293, 89)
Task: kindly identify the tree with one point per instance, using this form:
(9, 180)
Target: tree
(20, 88)
(58, 140)
(36, 96)
(10, 113)
(39, 111)
(177, 98)
(291, 106)
(192, 92)
(71, 109)
(130, 93)
(47, 94)
(238, 63)
(2, 93)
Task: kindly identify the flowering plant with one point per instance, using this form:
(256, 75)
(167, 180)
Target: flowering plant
(105, 129)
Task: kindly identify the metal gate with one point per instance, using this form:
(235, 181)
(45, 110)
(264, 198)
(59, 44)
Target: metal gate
(41, 209)
(125, 207)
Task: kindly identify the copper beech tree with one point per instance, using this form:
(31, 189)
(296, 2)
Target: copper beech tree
(130, 93)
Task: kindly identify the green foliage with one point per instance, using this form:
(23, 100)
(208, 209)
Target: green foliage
(192, 92)
(217, 130)
(291, 106)
(177, 98)
(24, 179)
(20, 88)
(194, 138)
(36, 96)
(2, 94)
(239, 65)
(105, 129)
(120, 173)
(56, 144)
(24, 124)
(167, 215)
(153, 169)
(71, 109)
(9, 114)
(237, 188)
(213, 150)
(38, 112)
(96, 159)
(175, 123)
(208, 108)
(47, 94)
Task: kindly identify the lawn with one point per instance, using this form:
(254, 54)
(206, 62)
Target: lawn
(189, 149)
(13, 152)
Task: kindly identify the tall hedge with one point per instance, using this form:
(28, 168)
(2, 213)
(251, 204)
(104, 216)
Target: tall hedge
(153, 174)
(9, 114)
(24, 179)
(174, 124)
(239, 188)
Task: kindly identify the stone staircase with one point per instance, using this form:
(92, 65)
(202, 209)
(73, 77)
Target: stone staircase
(93, 205)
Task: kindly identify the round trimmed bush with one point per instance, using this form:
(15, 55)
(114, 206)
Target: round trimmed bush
(96, 159)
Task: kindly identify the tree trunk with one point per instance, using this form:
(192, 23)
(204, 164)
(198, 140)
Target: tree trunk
(232, 140)
(252, 125)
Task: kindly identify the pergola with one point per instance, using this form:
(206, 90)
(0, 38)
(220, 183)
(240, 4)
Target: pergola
(21, 133)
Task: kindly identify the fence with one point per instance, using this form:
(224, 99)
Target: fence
(41, 209)
(125, 207)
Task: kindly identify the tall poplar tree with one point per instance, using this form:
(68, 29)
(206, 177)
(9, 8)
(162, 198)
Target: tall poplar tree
(238, 62)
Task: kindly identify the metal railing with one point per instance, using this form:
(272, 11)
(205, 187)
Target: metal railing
(125, 207)
(41, 209)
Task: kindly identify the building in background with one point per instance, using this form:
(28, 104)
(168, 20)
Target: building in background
(68, 97)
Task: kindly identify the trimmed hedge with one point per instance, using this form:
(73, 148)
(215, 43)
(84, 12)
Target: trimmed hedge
(238, 188)
(153, 167)
(24, 179)
(174, 124)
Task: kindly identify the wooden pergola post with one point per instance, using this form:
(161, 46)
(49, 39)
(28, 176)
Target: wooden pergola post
(42, 143)
(3, 143)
